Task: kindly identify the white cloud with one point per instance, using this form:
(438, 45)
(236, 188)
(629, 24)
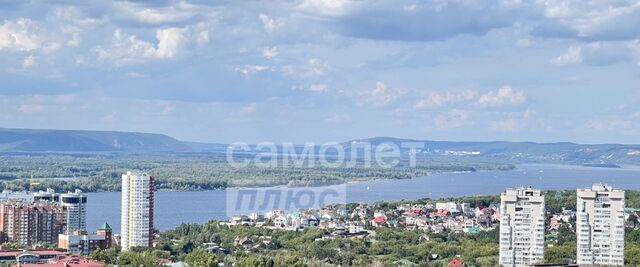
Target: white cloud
(169, 42)
(318, 88)
(179, 12)
(270, 52)
(503, 96)
(30, 108)
(167, 109)
(438, 99)
(270, 24)
(248, 70)
(126, 49)
(327, 7)
(28, 61)
(381, 95)
(19, 35)
(571, 57)
(600, 53)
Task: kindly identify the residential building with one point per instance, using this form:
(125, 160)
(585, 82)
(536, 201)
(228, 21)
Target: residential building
(75, 210)
(600, 222)
(522, 226)
(81, 243)
(30, 222)
(137, 210)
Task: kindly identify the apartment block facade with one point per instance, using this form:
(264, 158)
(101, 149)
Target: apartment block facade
(522, 227)
(27, 223)
(600, 222)
(137, 210)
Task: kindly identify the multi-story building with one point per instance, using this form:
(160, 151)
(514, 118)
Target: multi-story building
(600, 223)
(75, 210)
(137, 210)
(30, 222)
(83, 244)
(522, 226)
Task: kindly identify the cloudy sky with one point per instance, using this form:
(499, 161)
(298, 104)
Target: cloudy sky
(332, 70)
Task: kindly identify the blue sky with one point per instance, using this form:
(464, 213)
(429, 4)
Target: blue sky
(332, 70)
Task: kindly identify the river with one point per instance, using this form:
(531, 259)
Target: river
(173, 208)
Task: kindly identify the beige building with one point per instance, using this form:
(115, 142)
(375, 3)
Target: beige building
(522, 226)
(600, 226)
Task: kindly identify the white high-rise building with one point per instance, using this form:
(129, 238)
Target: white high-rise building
(522, 226)
(137, 210)
(74, 205)
(600, 226)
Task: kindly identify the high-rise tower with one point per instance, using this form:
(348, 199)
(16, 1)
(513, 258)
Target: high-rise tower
(137, 210)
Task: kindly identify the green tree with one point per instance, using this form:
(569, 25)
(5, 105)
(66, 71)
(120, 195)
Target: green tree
(200, 258)
(133, 258)
(250, 261)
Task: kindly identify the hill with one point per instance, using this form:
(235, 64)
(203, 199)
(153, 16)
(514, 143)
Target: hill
(29, 140)
(562, 152)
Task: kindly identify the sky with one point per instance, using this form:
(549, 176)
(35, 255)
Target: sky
(325, 70)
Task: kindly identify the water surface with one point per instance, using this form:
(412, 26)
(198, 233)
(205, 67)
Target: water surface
(173, 208)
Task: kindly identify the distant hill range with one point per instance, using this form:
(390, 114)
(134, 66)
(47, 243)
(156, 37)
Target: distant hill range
(603, 155)
(27, 140)
(600, 155)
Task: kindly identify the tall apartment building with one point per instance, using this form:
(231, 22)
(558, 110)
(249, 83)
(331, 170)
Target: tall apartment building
(600, 226)
(75, 210)
(30, 222)
(522, 226)
(74, 205)
(137, 210)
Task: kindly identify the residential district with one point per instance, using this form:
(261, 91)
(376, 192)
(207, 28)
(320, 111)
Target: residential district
(39, 220)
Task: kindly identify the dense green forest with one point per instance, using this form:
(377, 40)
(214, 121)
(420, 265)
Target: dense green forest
(92, 173)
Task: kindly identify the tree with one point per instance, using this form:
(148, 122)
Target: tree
(250, 261)
(200, 258)
(132, 258)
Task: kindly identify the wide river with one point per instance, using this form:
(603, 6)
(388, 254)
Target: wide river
(173, 208)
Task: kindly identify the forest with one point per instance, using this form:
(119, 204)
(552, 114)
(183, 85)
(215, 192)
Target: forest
(191, 172)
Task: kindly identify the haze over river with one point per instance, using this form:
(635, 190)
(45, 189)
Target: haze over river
(173, 208)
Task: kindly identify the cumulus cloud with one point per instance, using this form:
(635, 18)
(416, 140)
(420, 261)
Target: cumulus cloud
(506, 95)
(438, 99)
(270, 24)
(248, 70)
(318, 88)
(28, 61)
(19, 35)
(328, 7)
(270, 52)
(572, 56)
(425, 21)
(127, 49)
(381, 95)
(591, 20)
(178, 12)
(600, 53)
